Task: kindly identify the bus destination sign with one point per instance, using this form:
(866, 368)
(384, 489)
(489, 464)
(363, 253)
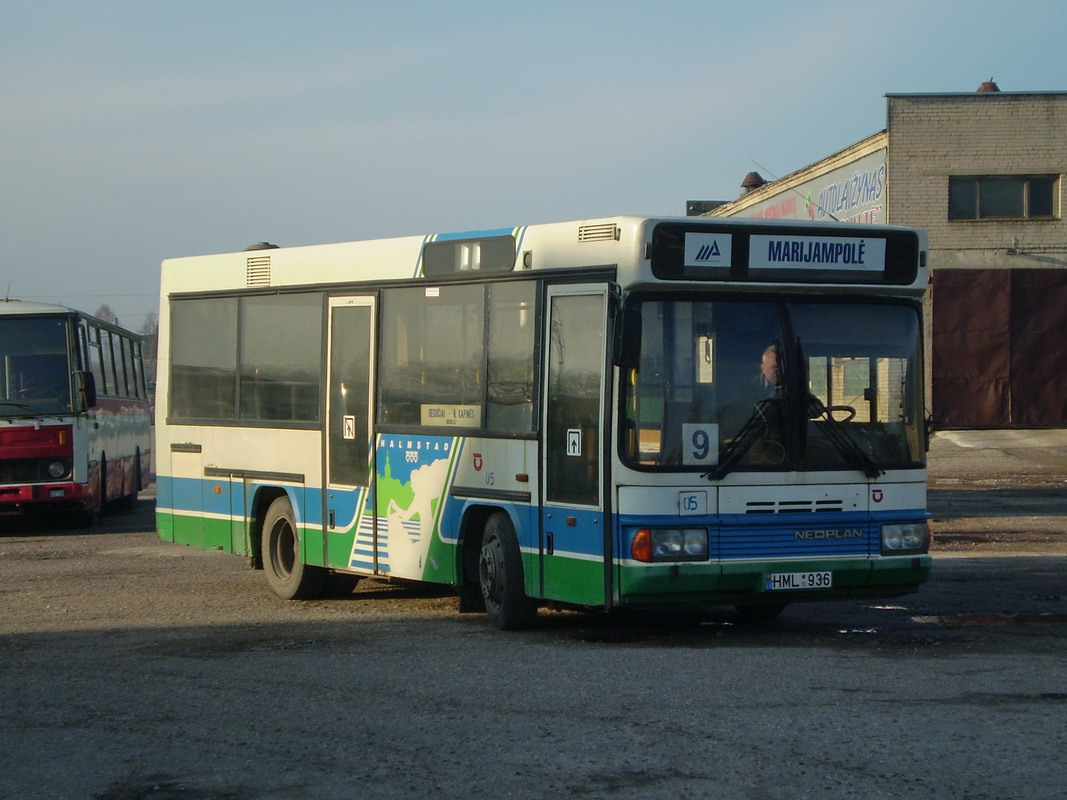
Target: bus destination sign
(865, 254)
(787, 254)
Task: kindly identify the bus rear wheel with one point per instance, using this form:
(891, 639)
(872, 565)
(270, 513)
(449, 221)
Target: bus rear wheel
(500, 576)
(287, 575)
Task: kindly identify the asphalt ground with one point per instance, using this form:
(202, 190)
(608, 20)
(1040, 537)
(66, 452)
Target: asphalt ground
(135, 669)
(999, 492)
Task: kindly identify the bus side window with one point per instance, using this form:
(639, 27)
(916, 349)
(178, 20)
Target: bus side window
(138, 369)
(96, 361)
(127, 367)
(433, 353)
(110, 381)
(510, 357)
(82, 335)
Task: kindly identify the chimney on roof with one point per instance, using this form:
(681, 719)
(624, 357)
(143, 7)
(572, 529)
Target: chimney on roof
(987, 87)
(752, 182)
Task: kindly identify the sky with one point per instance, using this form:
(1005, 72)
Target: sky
(136, 131)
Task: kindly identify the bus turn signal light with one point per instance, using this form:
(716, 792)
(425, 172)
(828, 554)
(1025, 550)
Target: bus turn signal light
(641, 547)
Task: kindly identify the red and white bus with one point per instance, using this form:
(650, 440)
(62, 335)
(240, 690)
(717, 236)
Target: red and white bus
(75, 421)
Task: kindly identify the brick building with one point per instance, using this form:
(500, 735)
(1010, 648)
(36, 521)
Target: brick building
(983, 173)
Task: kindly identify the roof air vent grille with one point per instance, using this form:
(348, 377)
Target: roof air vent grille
(604, 232)
(257, 271)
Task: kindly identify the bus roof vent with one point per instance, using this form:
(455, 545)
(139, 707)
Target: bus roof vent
(257, 271)
(603, 232)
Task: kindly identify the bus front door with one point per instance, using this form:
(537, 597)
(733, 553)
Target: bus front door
(348, 507)
(573, 541)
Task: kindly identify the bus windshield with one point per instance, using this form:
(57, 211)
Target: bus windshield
(727, 385)
(34, 369)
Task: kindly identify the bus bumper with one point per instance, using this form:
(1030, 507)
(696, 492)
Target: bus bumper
(729, 582)
(40, 496)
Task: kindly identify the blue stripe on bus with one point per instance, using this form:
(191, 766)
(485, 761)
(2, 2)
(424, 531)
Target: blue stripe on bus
(573, 538)
(199, 495)
(195, 494)
(452, 237)
(748, 536)
(731, 537)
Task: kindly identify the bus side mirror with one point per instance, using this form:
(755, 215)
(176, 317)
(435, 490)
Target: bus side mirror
(626, 349)
(86, 385)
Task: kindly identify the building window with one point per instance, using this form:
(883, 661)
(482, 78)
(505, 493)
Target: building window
(1002, 197)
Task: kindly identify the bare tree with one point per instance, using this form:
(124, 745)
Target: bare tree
(106, 314)
(150, 336)
(151, 325)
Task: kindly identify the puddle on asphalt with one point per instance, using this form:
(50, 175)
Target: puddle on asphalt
(959, 620)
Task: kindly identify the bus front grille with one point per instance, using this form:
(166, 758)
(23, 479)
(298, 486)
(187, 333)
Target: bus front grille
(792, 506)
(20, 470)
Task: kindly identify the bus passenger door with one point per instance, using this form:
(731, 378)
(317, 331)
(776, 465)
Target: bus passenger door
(572, 513)
(348, 512)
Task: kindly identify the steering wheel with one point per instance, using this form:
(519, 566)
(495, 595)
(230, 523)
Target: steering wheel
(849, 410)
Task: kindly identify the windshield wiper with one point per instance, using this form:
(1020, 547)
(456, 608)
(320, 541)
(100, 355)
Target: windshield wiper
(23, 406)
(746, 437)
(840, 438)
(29, 411)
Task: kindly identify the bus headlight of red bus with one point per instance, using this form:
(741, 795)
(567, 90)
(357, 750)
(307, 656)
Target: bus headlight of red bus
(905, 539)
(58, 469)
(670, 544)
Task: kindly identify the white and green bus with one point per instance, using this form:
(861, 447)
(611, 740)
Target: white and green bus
(603, 414)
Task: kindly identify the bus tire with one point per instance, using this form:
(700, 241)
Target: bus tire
(102, 481)
(138, 476)
(128, 502)
(501, 578)
(287, 575)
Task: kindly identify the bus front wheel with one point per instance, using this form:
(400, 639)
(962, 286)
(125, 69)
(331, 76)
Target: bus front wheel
(287, 574)
(500, 576)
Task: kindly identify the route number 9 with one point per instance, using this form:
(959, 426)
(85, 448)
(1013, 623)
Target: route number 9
(700, 444)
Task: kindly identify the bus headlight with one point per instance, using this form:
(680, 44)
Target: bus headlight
(670, 544)
(906, 539)
(57, 470)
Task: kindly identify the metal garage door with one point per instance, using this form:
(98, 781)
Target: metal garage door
(999, 356)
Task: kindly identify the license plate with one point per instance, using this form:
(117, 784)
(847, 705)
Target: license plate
(798, 580)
